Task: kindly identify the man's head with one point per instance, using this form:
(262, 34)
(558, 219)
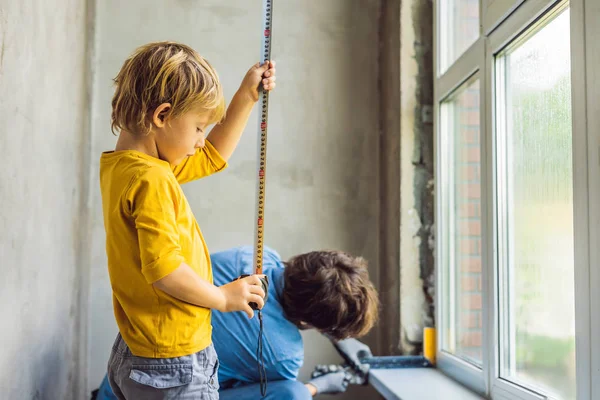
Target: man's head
(168, 90)
(330, 291)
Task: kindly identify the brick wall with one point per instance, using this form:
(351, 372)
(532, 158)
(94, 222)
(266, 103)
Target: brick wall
(465, 24)
(467, 216)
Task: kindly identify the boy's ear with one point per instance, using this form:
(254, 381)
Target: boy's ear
(160, 114)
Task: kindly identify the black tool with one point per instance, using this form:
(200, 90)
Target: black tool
(265, 286)
(357, 373)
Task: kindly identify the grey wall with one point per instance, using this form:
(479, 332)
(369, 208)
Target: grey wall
(43, 107)
(417, 241)
(322, 185)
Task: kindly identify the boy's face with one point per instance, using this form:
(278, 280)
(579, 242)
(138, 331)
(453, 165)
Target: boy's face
(180, 137)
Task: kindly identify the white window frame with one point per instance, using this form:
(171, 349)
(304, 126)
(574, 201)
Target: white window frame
(501, 22)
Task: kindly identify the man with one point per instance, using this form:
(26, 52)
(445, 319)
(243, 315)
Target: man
(326, 290)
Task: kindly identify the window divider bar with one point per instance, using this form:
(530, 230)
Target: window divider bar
(504, 390)
(496, 12)
(461, 371)
(487, 220)
(581, 203)
(591, 15)
(518, 22)
(464, 68)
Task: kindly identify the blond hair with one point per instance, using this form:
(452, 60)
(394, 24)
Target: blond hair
(164, 72)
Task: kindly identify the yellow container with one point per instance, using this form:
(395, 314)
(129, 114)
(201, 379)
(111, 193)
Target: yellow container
(429, 344)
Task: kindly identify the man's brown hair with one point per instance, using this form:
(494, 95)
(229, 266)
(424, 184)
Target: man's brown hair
(164, 72)
(330, 291)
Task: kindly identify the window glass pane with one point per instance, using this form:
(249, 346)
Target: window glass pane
(462, 283)
(535, 212)
(459, 29)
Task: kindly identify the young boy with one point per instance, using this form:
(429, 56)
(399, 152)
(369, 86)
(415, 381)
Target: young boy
(166, 96)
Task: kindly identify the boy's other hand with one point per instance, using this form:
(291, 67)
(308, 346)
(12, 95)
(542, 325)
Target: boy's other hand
(257, 75)
(240, 293)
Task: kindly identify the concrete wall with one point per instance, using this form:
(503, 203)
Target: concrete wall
(417, 241)
(322, 185)
(43, 106)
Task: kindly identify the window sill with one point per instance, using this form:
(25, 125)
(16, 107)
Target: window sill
(418, 384)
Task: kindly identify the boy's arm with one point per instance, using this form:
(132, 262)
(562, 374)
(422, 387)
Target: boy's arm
(152, 201)
(206, 161)
(184, 284)
(226, 135)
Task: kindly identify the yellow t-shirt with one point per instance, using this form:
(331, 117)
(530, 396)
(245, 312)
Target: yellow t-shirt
(150, 231)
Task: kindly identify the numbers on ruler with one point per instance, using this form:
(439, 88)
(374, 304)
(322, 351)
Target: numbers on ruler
(263, 142)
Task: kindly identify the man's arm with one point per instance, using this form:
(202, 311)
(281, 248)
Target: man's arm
(352, 350)
(226, 135)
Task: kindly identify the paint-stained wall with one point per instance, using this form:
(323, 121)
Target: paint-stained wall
(43, 106)
(417, 191)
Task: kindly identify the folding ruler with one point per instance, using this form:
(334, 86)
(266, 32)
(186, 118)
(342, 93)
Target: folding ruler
(262, 141)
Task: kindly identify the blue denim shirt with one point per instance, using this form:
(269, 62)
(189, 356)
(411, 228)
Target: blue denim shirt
(235, 337)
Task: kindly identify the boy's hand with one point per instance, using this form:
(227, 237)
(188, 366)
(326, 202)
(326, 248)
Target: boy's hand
(240, 293)
(257, 75)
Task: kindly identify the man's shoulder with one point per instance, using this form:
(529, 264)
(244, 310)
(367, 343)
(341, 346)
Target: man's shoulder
(245, 252)
(226, 255)
(272, 253)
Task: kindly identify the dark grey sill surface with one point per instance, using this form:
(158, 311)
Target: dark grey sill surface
(418, 384)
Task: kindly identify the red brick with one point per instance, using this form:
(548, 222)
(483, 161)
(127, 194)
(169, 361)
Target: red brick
(474, 210)
(465, 246)
(470, 154)
(471, 320)
(464, 210)
(471, 282)
(470, 136)
(474, 191)
(472, 352)
(470, 99)
(471, 191)
(471, 339)
(468, 283)
(469, 173)
(469, 210)
(471, 301)
(470, 264)
(469, 117)
(470, 227)
(469, 246)
(476, 246)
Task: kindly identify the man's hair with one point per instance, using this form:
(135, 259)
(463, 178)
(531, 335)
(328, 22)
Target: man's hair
(330, 291)
(164, 72)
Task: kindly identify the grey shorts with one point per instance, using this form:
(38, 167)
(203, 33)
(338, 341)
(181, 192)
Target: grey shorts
(139, 378)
